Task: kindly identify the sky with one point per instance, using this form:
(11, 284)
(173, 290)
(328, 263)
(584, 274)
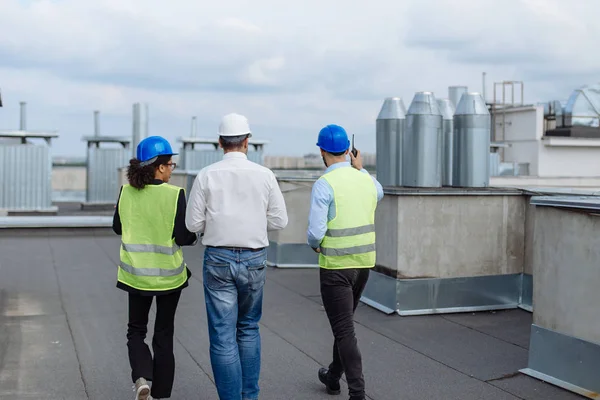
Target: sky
(290, 67)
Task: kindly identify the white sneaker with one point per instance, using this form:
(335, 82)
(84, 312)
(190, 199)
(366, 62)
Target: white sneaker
(142, 390)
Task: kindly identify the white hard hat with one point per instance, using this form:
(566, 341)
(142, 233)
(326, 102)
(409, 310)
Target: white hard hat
(234, 125)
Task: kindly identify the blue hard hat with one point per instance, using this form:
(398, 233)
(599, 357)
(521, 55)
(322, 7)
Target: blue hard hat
(333, 139)
(153, 146)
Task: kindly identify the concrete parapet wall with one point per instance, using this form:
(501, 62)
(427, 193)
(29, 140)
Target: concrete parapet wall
(529, 235)
(566, 270)
(297, 201)
(565, 335)
(288, 247)
(449, 236)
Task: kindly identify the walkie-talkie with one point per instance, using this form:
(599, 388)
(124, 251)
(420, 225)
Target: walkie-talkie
(354, 151)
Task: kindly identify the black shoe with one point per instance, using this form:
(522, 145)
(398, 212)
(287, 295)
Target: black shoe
(332, 385)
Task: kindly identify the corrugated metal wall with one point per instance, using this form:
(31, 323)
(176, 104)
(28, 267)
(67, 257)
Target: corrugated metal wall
(25, 177)
(103, 173)
(192, 159)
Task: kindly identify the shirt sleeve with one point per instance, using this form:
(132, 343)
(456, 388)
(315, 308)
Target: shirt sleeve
(277, 217)
(183, 237)
(321, 198)
(195, 214)
(377, 185)
(116, 225)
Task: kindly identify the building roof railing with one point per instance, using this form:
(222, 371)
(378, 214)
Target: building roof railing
(24, 135)
(191, 141)
(91, 140)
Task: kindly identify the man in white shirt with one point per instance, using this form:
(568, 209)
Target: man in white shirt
(234, 202)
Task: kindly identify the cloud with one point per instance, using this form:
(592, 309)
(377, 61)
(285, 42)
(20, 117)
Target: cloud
(290, 67)
(522, 33)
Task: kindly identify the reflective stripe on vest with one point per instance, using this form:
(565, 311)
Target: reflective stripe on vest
(149, 257)
(151, 271)
(350, 238)
(150, 248)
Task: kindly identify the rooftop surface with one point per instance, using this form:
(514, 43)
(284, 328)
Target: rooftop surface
(63, 326)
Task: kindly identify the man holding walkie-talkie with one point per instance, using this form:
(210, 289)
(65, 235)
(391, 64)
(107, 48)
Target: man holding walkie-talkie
(341, 228)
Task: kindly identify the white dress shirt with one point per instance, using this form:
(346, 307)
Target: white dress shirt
(234, 202)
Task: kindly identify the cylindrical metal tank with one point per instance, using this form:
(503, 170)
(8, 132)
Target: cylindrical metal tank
(389, 134)
(472, 126)
(455, 93)
(422, 144)
(447, 111)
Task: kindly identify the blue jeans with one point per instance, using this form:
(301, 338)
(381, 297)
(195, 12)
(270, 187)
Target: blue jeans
(233, 290)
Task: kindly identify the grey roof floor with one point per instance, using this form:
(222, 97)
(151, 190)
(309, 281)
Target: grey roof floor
(63, 323)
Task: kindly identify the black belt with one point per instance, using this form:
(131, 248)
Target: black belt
(236, 248)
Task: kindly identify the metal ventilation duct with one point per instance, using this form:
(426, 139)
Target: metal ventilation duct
(103, 164)
(25, 172)
(583, 107)
(389, 136)
(23, 116)
(447, 111)
(471, 158)
(140, 125)
(455, 93)
(422, 144)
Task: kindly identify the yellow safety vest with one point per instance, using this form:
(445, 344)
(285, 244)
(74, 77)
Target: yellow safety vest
(350, 238)
(150, 258)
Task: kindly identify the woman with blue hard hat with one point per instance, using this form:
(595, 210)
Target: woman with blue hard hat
(150, 217)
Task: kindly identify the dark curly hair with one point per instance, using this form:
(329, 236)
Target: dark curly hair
(140, 176)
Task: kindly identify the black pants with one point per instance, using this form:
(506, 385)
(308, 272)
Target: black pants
(161, 370)
(341, 291)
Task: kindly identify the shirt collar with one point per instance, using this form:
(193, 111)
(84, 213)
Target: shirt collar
(337, 165)
(234, 154)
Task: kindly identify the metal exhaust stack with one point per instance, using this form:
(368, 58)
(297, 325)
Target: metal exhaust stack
(422, 145)
(140, 125)
(194, 129)
(472, 125)
(96, 123)
(447, 111)
(389, 137)
(455, 93)
(23, 122)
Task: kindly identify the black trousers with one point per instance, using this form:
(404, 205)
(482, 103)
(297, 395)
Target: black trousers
(161, 369)
(341, 291)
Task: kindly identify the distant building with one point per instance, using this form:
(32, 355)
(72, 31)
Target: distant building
(308, 161)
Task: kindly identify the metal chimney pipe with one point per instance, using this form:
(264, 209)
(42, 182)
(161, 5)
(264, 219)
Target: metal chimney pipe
(135, 137)
(96, 123)
(140, 125)
(145, 117)
(23, 123)
(194, 129)
(483, 87)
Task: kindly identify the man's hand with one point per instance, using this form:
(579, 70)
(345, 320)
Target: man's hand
(317, 250)
(356, 161)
